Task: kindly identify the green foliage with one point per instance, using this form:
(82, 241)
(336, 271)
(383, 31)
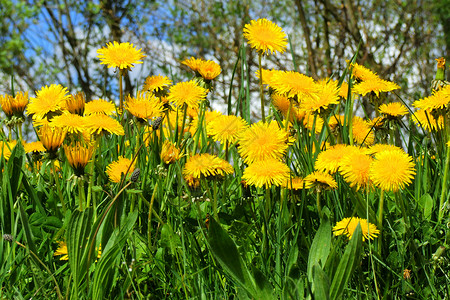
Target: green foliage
(162, 236)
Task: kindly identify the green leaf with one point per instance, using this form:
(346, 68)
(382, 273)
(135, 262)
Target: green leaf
(321, 283)
(225, 251)
(320, 247)
(77, 235)
(347, 264)
(265, 289)
(108, 263)
(169, 239)
(427, 204)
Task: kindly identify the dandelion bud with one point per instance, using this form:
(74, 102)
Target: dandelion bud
(8, 237)
(135, 175)
(157, 123)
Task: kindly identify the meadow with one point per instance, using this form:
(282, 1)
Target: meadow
(158, 196)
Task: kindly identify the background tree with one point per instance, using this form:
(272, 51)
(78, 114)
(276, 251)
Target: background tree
(45, 42)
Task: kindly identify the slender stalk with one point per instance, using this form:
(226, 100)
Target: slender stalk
(120, 95)
(215, 205)
(288, 116)
(261, 88)
(19, 129)
(380, 220)
(92, 180)
(56, 176)
(350, 121)
(442, 201)
(319, 209)
(150, 209)
(81, 195)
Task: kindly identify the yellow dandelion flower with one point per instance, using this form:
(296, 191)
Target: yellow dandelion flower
(101, 124)
(34, 147)
(62, 250)
(376, 122)
(76, 103)
(6, 103)
(392, 170)
(49, 101)
(72, 123)
(347, 227)
(343, 90)
(296, 183)
(119, 168)
(266, 173)
(144, 106)
(266, 75)
(393, 110)
(362, 73)
(377, 148)
(226, 129)
(326, 95)
(205, 165)
(100, 106)
(7, 148)
(262, 141)
(293, 84)
(78, 156)
(120, 55)
(438, 100)
(208, 119)
(51, 138)
(193, 63)
(375, 85)
(169, 152)
(265, 36)
(355, 169)
(336, 121)
(209, 69)
(281, 102)
(156, 83)
(310, 120)
(425, 118)
(362, 132)
(191, 181)
(187, 92)
(330, 159)
(19, 103)
(14, 106)
(320, 180)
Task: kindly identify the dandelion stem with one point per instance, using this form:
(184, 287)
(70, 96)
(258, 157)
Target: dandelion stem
(150, 208)
(350, 121)
(261, 89)
(56, 176)
(216, 214)
(319, 209)
(442, 202)
(81, 195)
(380, 220)
(120, 95)
(288, 116)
